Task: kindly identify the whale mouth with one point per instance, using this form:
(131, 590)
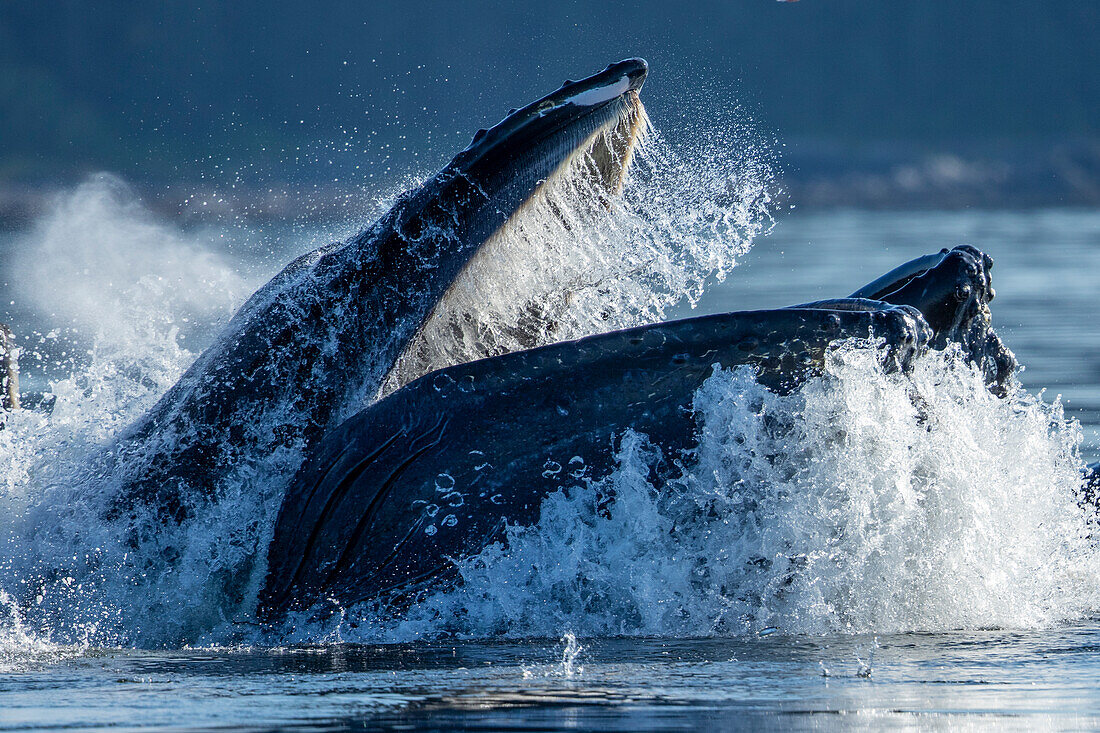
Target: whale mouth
(588, 132)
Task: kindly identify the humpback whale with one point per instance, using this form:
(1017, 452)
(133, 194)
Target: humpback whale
(316, 342)
(399, 463)
(435, 471)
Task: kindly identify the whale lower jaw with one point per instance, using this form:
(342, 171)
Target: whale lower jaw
(433, 473)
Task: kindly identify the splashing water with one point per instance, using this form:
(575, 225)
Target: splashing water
(20, 648)
(569, 654)
(577, 262)
(567, 668)
(864, 502)
(135, 287)
(866, 669)
(132, 288)
(101, 262)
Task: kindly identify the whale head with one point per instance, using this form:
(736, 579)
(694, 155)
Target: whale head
(322, 337)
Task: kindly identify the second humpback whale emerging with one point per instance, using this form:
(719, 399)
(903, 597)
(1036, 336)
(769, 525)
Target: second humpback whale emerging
(435, 471)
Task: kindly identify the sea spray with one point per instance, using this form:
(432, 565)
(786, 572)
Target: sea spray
(132, 288)
(571, 650)
(864, 502)
(577, 262)
(21, 648)
(78, 576)
(100, 261)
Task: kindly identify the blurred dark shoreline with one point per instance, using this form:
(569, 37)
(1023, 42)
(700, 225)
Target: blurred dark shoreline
(1006, 175)
(809, 175)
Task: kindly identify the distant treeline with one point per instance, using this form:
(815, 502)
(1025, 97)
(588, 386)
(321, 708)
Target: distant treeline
(171, 90)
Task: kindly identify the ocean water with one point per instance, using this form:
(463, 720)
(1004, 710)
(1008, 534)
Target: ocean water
(835, 558)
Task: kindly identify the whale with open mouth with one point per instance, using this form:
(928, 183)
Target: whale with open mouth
(471, 434)
(434, 472)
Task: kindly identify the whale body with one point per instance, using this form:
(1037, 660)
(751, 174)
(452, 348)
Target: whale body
(434, 473)
(330, 376)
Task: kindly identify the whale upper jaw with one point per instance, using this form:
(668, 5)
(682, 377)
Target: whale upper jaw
(600, 117)
(311, 345)
(560, 108)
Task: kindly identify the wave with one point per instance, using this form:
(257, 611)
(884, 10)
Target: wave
(863, 502)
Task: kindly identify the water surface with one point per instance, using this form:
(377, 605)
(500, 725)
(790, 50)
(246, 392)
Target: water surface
(1032, 676)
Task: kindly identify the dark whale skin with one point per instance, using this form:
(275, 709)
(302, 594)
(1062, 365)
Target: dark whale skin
(435, 471)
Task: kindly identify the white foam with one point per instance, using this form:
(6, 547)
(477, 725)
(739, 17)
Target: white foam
(132, 285)
(865, 502)
(135, 283)
(100, 261)
(20, 648)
